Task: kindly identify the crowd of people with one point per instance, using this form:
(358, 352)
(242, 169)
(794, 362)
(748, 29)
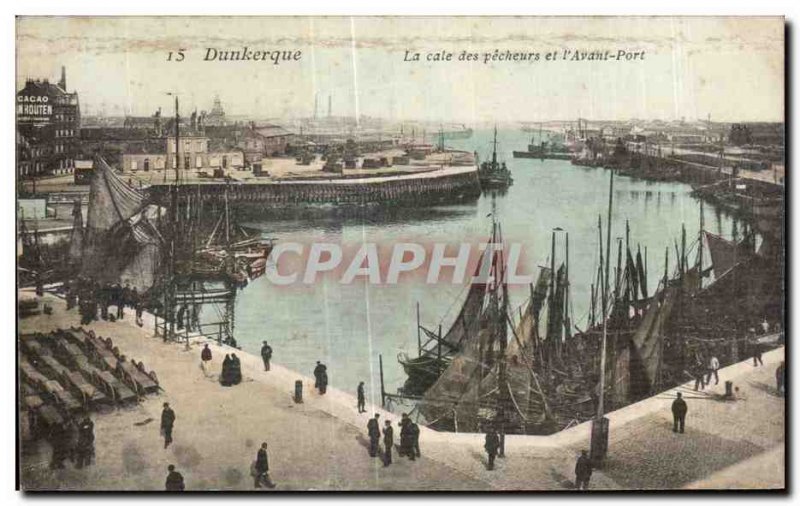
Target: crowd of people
(94, 300)
(409, 438)
(73, 441)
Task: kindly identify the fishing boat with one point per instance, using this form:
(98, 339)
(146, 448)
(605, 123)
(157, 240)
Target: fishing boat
(545, 149)
(492, 174)
(436, 353)
(457, 133)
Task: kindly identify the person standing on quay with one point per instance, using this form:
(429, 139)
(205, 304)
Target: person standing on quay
(388, 441)
(266, 355)
(235, 369)
(174, 480)
(780, 378)
(414, 428)
(757, 353)
(85, 447)
(262, 466)
(321, 377)
(699, 374)
(491, 445)
(713, 369)
(361, 399)
(205, 357)
(374, 433)
(167, 422)
(679, 409)
(583, 471)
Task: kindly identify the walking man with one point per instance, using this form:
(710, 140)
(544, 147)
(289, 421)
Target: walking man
(262, 466)
(205, 357)
(266, 355)
(679, 409)
(583, 471)
(374, 433)
(491, 446)
(361, 399)
(713, 368)
(757, 353)
(388, 441)
(167, 421)
(174, 480)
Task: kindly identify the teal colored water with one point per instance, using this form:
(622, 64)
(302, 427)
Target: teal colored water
(349, 326)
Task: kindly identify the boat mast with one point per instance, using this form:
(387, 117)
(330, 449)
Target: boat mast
(494, 148)
(601, 400)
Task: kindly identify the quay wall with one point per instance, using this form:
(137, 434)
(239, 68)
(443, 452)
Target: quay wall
(446, 185)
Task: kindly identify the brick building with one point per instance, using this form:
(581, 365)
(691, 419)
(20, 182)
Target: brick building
(48, 128)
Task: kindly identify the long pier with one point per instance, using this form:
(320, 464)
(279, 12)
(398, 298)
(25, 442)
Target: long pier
(448, 184)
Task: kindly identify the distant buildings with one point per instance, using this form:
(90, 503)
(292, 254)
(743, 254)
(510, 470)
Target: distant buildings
(194, 155)
(215, 117)
(48, 128)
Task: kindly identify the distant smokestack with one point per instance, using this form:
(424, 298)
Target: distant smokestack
(316, 104)
(330, 97)
(63, 82)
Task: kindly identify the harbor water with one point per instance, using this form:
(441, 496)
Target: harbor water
(348, 326)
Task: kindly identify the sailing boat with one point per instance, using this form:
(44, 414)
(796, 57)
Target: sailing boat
(435, 355)
(249, 250)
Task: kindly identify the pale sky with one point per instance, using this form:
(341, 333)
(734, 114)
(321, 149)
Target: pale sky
(730, 68)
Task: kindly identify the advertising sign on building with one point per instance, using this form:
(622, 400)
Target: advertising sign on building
(34, 108)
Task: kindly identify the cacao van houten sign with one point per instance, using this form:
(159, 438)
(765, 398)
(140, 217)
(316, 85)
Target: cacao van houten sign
(34, 109)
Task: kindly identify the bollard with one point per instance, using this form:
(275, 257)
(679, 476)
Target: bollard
(728, 389)
(298, 392)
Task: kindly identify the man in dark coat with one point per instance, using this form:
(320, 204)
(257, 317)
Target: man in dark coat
(388, 441)
(779, 377)
(374, 433)
(361, 399)
(266, 355)
(124, 299)
(491, 445)
(167, 422)
(225, 375)
(103, 294)
(317, 374)
(205, 358)
(757, 353)
(699, 371)
(583, 471)
(414, 428)
(236, 370)
(59, 441)
(262, 466)
(321, 376)
(85, 446)
(679, 410)
(174, 480)
(406, 438)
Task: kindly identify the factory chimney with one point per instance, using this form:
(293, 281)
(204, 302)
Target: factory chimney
(63, 82)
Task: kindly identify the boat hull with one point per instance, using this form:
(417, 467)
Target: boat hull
(542, 156)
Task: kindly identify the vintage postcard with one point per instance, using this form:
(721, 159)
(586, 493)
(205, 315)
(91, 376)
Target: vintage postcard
(400, 253)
